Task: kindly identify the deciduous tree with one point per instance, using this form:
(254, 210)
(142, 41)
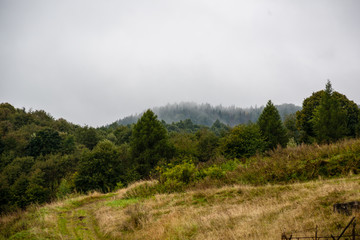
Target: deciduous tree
(243, 141)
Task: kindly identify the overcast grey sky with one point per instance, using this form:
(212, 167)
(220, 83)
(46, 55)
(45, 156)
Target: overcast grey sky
(93, 62)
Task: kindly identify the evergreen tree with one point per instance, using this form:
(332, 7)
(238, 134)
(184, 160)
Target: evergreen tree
(306, 119)
(149, 143)
(329, 121)
(271, 127)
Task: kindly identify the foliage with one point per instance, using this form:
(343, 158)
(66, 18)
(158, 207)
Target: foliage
(301, 163)
(44, 142)
(99, 169)
(122, 134)
(220, 129)
(149, 143)
(243, 141)
(176, 177)
(87, 136)
(207, 143)
(292, 131)
(206, 115)
(185, 144)
(182, 126)
(64, 189)
(42, 159)
(306, 121)
(214, 172)
(329, 120)
(271, 127)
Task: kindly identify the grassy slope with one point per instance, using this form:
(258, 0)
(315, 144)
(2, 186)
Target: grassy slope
(230, 212)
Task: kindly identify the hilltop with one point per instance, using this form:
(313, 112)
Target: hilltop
(205, 114)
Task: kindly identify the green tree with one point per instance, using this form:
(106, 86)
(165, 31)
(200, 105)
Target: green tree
(329, 120)
(100, 169)
(122, 134)
(305, 118)
(67, 144)
(207, 143)
(5, 194)
(87, 136)
(291, 128)
(271, 127)
(219, 128)
(184, 143)
(36, 191)
(18, 191)
(44, 142)
(243, 141)
(149, 143)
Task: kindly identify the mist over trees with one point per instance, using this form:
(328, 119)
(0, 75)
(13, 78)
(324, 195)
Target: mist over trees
(205, 114)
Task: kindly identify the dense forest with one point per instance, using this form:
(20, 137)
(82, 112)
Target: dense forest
(205, 114)
(42, 158)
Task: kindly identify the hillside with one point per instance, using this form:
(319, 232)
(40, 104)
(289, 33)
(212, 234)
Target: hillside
(205, 114)
(229, 212)
(292, 189)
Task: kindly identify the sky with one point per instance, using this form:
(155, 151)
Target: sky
(93, 62)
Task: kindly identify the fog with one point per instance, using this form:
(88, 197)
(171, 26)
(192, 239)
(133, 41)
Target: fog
(93, 62)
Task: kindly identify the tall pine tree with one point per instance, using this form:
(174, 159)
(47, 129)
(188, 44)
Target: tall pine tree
(271, 127)
(329, 121)
(149, 143)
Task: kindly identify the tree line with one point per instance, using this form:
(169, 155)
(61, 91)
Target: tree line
(205, 114)
(42, 159)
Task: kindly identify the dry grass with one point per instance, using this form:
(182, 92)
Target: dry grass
(229, 212)
(236, 212)
(301, 163)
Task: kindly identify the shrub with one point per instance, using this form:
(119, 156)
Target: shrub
(64, 189)
(214, 172)
(176, 177)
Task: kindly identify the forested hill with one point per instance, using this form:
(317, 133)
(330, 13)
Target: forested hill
(205, 114)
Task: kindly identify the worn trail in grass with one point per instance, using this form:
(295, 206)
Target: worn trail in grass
(230, 212)
(76, 220)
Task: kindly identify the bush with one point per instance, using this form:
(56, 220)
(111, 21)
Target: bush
(176, 177)
(64, 189)
(214, 172)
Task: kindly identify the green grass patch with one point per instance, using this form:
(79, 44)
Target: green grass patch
(62, 224)
(23, 235)
(122, 203)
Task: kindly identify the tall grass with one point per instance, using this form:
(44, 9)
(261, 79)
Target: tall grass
(301, 163)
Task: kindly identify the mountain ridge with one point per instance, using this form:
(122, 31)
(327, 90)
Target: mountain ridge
(206, 114)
